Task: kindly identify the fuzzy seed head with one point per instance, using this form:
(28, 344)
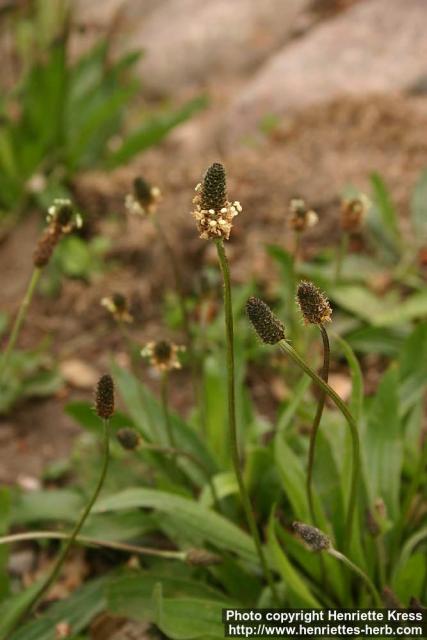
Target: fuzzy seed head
(128, 438)
(268, 327)
(315, 539)
(202, 558)
(104, 397)
(314, 305)
(63, 216)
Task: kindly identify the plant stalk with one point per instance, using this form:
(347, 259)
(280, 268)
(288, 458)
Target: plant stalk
(316, 422)
(45, 586)
(96, 542)
(366, 579)
(231, 382)
(19, 320)
(164, 397)
(290, 351)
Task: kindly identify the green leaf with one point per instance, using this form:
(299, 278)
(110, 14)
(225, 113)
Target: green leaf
(38, 506)
(78, 610)
(188, 618)
(384, 447)
(413, 367)
(292, 474)
(191, 516)
(290, 576)
(419, 209)
(386, 209)
(154, 130)
(409, 578)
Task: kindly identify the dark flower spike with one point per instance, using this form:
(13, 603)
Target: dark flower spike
(213, 212)
(268, 327)
(104, 397)
(46, 246)
(314, 305)
(315, 539)
(128, 438)
(213, 194)
(144, 199)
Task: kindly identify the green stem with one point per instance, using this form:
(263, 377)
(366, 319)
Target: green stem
(341, 254)
(339, 556)
(87, 540)
(228, 314)
(173, 451)
(19, 320)
(164, 397)
(45, 586)
(196, 377)
(290, 351)
(316, 423)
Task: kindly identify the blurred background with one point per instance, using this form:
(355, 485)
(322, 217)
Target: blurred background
(296, 97)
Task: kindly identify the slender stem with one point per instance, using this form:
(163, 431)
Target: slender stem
(289, 350)
(164, 397)
(173, 451)
(45, 586)
(339, 556)
(316, 423)
(297, 246)
(228, 313)
(88, 540)
(196, 377)
(19, 320)
(341, 253)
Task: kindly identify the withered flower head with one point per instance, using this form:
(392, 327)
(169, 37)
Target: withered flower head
(62, 214)
(46, 245)
(314, 305)
(301, 217)
(353, 212)
(118, 307)
(144, 198)
(128, 438)
(163, 355)
(104, 397)
(268, 327)
(213, 212)
(315, 539)
(202, 558)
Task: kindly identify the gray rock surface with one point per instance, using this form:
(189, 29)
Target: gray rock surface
(190, 42)
(377, 46)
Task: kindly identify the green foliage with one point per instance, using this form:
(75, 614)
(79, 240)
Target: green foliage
(71, 118)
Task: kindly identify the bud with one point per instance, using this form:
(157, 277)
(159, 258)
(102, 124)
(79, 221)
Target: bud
(144, 199)
(268, 327)
(117, 305)
(163, 355)
(315, 539)
(301, 217)
(353, 213)
(390, 599)
(314, 305)
(46, 246)
(104, 397)
(416, 604)
(371, 523)
(213, 212)
(63, 216)
(128, 438)
(213, 194)
(202, 558)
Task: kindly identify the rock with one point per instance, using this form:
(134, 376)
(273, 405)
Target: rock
(377, 46)
(189, 42)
